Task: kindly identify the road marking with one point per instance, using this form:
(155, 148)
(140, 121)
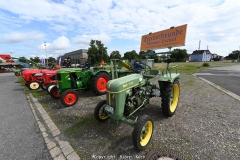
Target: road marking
(220, 88)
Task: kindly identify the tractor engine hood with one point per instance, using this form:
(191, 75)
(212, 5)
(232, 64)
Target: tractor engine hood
(125, 83)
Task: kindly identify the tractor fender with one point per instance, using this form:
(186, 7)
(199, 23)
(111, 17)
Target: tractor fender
(95, 73)
(169, 77)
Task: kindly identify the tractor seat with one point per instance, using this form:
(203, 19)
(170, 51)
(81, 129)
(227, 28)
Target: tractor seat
(150, 74)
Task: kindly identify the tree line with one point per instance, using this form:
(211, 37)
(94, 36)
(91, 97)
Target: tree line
(97, 52)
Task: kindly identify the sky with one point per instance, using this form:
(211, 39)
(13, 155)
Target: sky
(69, 25)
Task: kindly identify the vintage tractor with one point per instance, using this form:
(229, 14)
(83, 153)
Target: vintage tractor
(49, 79)
(72, 80)
(126, 95)
(33, 78)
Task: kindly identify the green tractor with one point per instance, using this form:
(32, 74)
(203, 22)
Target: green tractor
(126, 95)
(71, 80)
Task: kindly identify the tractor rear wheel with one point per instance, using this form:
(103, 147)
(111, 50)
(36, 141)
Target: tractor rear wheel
(42, 87)
(142, 132)
(99, 83)
(33, 85)
(170, 96)
(99, 113)
(69, 98)
(49, 87)
(53, 93)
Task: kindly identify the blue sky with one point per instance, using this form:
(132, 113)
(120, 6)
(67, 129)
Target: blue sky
(69, 25)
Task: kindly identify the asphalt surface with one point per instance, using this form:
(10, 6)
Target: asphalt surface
(225, 77)
(20, 137)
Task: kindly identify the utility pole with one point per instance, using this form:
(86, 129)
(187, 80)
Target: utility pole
(238, 54)
(46, 54)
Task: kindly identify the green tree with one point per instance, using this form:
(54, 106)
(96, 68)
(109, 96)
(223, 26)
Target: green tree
(142, 55)
(97, 51)
(51, 62)
(23, 59)
(115, 55)
(131, 55)
(179, 55)
(35, 59)
(233, 55)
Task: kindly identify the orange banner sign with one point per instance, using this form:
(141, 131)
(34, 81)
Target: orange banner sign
(164, 39)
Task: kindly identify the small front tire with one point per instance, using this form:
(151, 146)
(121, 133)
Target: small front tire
(142, 132)
(69, 98)
(33, 85)
(99, 113)
(53, 93)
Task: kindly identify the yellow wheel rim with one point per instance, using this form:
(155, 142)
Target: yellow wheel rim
(174, 98)
(146, 133)
(101, 115)
(34, 85)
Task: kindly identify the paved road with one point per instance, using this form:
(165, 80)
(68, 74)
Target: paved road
(20, 137)
(225, 77)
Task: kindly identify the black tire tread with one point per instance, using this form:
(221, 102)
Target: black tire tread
(166, 92)
(96, 110)
(137, 131)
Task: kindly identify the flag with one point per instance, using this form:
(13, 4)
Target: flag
(59, 61)
(43, 61)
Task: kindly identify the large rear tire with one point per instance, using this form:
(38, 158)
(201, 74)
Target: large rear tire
(170, 97)
(53, 93)
(69, 97)
(99, 113)
(33, 85)
(99, 83)
(142, 132)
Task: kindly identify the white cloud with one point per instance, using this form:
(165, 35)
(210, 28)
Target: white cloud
(213, 22)
(18, 37)
(84, 40)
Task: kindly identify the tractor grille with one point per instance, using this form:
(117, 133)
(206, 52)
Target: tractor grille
(58, 77)
(111, 99)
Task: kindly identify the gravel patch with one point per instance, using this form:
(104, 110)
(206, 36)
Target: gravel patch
(205, 125)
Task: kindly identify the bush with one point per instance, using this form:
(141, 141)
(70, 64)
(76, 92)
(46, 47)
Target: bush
(205, 64)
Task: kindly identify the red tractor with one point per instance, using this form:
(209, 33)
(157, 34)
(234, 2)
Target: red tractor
(49, 79)
(33, 78)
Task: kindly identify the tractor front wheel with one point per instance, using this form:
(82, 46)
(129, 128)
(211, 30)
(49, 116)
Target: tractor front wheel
(99, 113)
(33, 85)
(17, 74)
(142, 132)
(69, 98)
(99, 83)
(170, 96)
(53, 93)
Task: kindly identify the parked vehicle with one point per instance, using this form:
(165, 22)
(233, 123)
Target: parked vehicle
(127, 95)
(71, 80)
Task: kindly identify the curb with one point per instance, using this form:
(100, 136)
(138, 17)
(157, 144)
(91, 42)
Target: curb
(220, 88)
(59, 149)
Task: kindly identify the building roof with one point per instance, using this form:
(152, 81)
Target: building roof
(201, 52)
